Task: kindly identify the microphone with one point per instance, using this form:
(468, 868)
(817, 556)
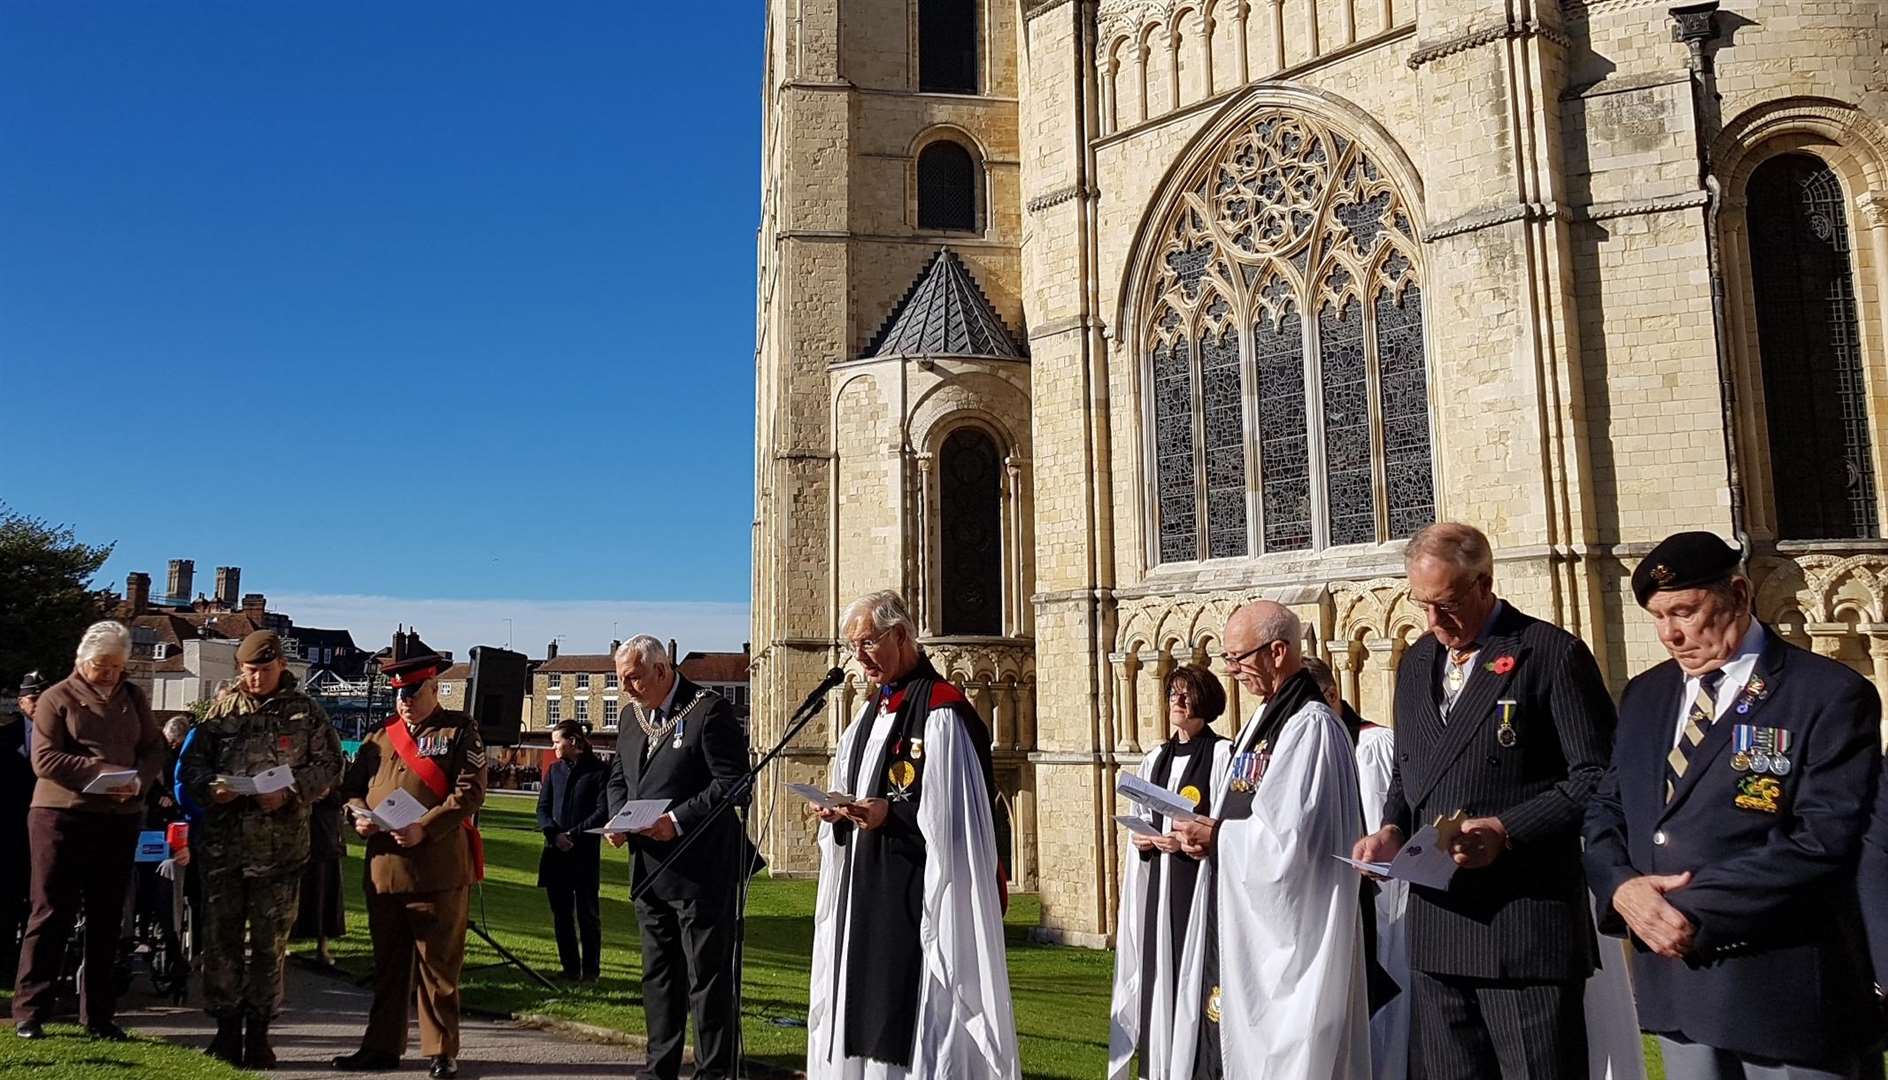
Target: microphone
(833, 678)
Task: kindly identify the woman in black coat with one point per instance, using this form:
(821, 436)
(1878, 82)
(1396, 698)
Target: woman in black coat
(570, 803)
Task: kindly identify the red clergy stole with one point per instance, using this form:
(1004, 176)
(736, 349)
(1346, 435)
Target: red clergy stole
(435, 780)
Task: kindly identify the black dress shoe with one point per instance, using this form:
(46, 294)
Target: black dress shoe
(444, 1067)
(108, 1031)
(367, 1061)
(29, 1029)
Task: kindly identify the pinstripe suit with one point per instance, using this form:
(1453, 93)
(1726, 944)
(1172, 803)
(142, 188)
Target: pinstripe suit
(1499, 959)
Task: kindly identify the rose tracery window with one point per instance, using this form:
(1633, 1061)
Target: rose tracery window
(1285, 287)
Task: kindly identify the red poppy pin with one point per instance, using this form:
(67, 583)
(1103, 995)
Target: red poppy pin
(1501, 665)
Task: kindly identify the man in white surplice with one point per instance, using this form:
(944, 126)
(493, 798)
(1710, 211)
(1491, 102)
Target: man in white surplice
(908, 972)
(1275, 945)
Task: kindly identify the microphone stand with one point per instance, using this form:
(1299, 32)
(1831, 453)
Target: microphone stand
(802, 716)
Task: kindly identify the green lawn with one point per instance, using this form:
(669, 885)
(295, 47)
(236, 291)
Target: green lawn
(68, 1056)
(1061, 994)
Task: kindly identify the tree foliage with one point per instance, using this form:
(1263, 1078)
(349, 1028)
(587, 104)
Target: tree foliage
(46, 596)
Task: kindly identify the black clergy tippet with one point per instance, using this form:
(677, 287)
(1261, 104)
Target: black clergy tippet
(1182, 871)
(887, 864)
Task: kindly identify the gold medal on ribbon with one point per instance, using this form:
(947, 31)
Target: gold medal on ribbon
(1190, 794)
(901, 774)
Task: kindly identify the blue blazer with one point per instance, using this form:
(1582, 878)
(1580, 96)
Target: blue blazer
(1779, 967)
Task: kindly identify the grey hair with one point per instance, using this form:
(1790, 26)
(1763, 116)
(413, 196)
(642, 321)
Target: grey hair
(175, 727)
(1321, 673)
(1462, 546)
(1273, 621)
(885, 608)
(645, 649)
(106, 638)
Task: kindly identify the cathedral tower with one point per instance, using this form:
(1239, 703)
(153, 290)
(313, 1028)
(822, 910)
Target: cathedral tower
(892, 375)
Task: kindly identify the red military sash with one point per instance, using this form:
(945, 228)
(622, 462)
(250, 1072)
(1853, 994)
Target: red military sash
(434, 778)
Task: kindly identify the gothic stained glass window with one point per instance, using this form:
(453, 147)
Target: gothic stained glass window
(970, 533)
(1403, 399)
(1344, 385)
(1225, 442)
(1812, 362)
(1284, 445)
(1291, 235)
(1173, 452)
(947, 187)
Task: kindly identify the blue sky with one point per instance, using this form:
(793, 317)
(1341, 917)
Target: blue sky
(414, 307)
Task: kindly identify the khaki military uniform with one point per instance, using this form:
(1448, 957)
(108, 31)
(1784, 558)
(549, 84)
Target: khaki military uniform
(252, 860)
(417, 896)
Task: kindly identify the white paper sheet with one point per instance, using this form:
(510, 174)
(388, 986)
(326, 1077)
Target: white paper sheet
(394, 813)
(104, 782)
(1155, 798)
(1139, 826)
(820, 797)
(1425, 860)
(635, 816)
(266, 782)
(1381, 869)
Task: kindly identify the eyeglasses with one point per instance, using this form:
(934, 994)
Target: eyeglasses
(867, 645)
(1180, 695)
(1233, 660)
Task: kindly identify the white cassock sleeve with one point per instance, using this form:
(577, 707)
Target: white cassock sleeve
(821, 1021)
(1130, 981)
(1389, 1027)
(1124, 1029)
(1291, 964)
(965, 1026)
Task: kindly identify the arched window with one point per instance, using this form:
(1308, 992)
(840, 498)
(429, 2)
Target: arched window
(1814, 394)
(947, 46)
(947, 187)
(970, 534)
(1287, 268)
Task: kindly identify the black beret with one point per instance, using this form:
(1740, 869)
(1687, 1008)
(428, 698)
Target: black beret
(1686, 560)
(31, 685)
(260, 647)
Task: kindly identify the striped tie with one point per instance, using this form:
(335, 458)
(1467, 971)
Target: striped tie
(1704, 710)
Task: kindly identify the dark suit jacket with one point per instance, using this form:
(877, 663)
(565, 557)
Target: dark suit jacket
(1524, 916)
(693, 777)
(573, 799)
(1779, 968)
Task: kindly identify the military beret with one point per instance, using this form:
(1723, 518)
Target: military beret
(1686, 560)
(31, 685)
(260, 647)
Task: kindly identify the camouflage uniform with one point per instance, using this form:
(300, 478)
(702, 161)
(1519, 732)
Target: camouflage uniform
(252, 861)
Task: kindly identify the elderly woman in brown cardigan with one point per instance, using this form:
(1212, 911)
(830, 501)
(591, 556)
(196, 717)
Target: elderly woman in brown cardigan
(83, 844)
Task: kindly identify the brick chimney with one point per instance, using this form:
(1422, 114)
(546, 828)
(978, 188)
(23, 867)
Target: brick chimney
(183, 575)
(550, 651)
(228, 585)
(254, 604)
(671, 652)
(138, 591)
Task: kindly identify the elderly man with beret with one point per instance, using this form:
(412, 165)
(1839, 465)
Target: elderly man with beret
(1724, 836)
(251, 847)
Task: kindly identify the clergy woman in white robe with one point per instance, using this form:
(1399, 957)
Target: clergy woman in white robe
(1273, 975)
(909, 976)
(1158, 879)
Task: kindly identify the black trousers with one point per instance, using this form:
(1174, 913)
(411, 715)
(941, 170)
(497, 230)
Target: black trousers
(688, 967)
(81, 859)
(1476, 1029)
(578, 919)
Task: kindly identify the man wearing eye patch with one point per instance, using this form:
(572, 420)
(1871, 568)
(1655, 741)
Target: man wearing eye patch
(419, 878)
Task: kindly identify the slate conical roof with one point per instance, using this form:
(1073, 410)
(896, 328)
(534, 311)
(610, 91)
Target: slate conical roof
(945, 314)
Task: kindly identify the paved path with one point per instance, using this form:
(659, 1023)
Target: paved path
(325, 1018)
